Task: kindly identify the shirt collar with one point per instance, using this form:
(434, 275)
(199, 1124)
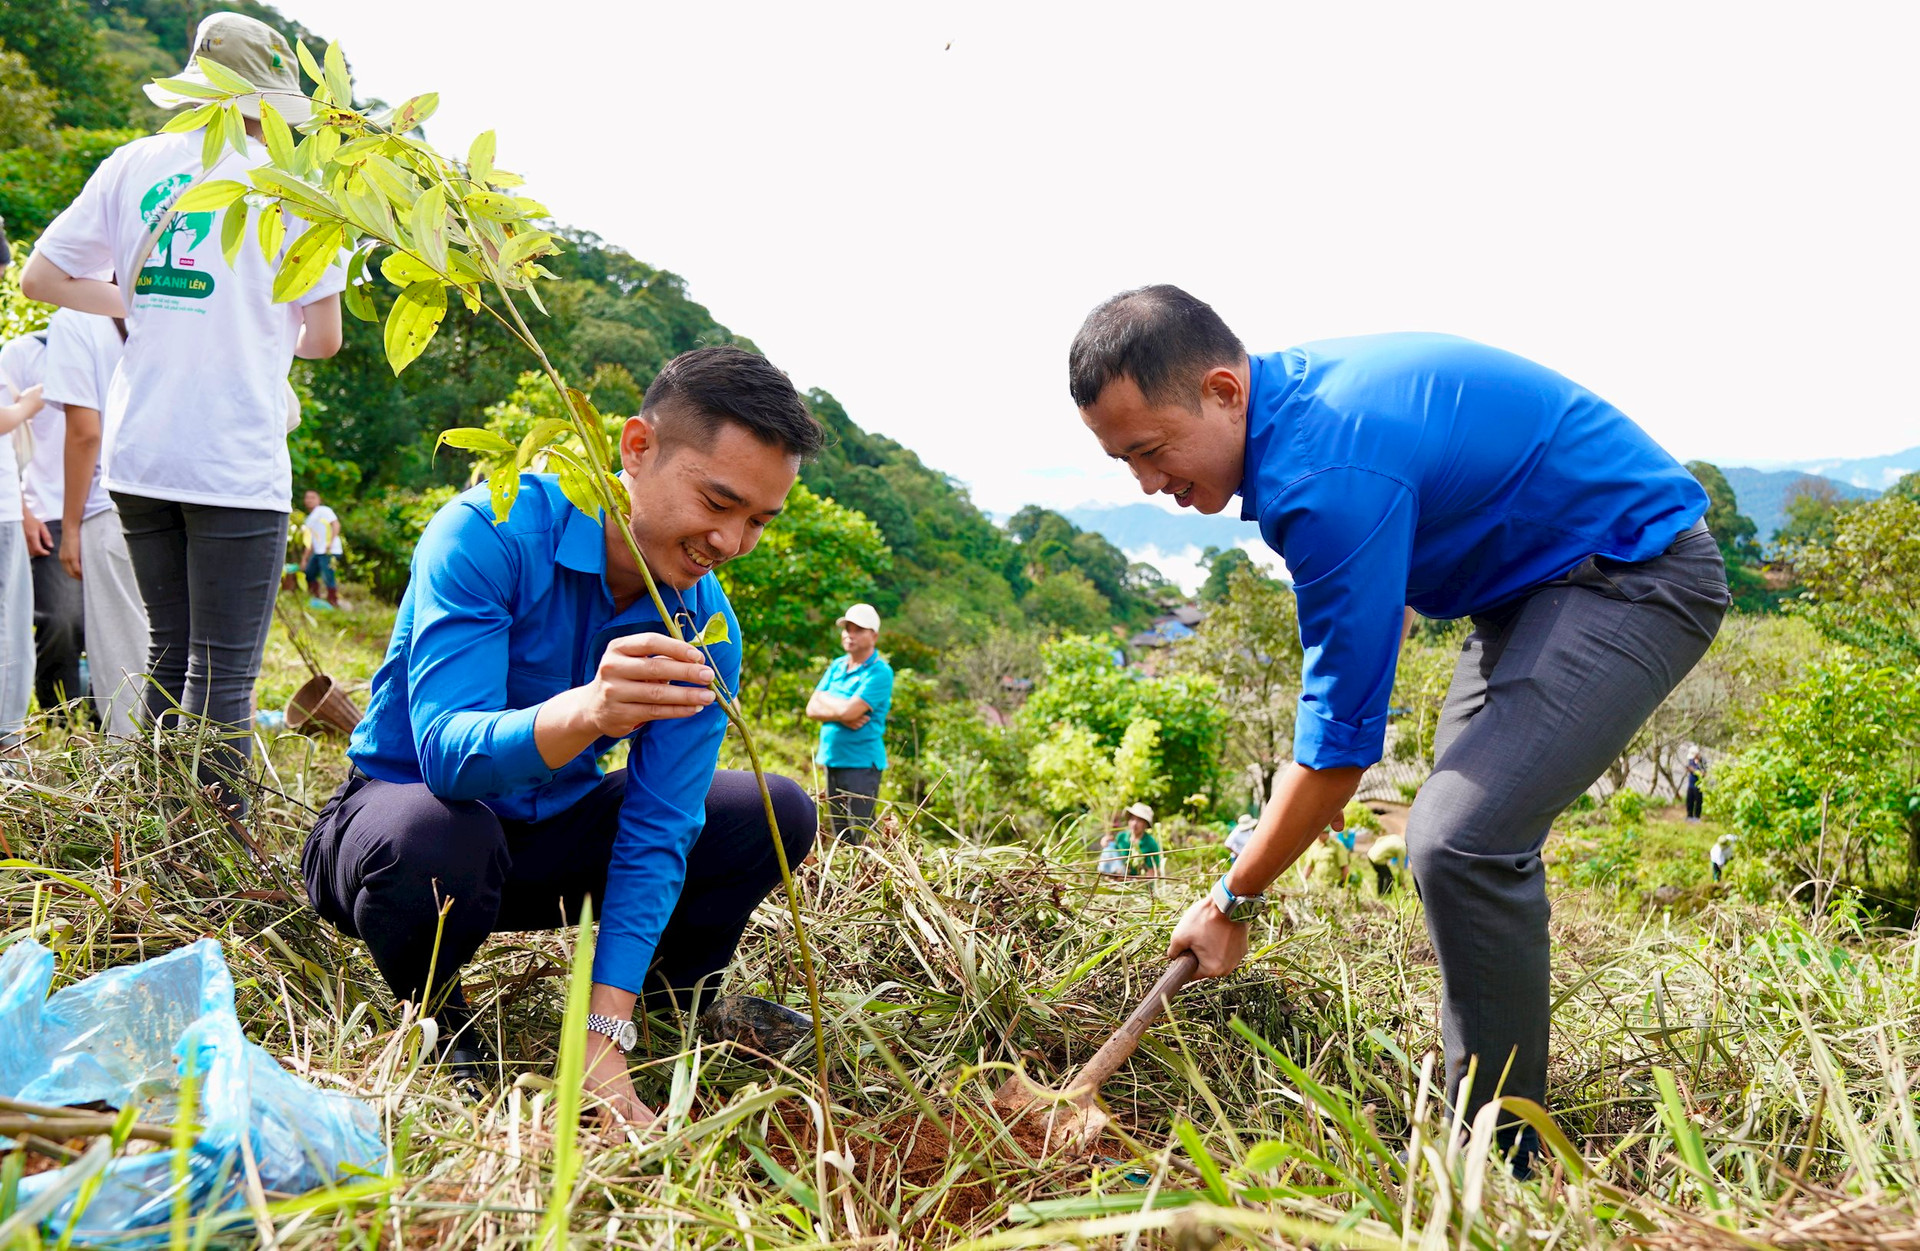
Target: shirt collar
(1271, 382)
(583, 542)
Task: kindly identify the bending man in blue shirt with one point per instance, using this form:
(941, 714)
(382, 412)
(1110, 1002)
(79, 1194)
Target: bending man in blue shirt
(523, 651)
(1463, 481)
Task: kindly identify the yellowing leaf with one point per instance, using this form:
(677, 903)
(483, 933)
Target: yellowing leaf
(505, 485)
(480, 157)
(225, 79)
(306, 261)
(271, 232)
(214, 141)
(210, 197)
(355, 297)
(524, 245)
(715, 631)
(428, 220)
(188, 87)
(402, 269)
(474, 439)
(306, 199)
(233, 232)
(235, 126)
(277, 134)
(310, 65)
(192, 119)
(531, 208)
(339, 85)
(411, 324)
(546, 432)
(492, 206)
(415, 112)
(578, 488)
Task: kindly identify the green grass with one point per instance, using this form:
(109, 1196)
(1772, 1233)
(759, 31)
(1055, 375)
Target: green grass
(1719, 1074)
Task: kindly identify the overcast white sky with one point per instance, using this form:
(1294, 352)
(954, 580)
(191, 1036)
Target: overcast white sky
(1704, 212)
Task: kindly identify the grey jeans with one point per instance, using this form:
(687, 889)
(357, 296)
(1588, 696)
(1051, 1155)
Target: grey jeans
(1548, 691)
(16, 632)
(208, 575)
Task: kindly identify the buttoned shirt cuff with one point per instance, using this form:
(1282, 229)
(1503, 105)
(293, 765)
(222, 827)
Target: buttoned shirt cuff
(1320, 742)
(516, 756)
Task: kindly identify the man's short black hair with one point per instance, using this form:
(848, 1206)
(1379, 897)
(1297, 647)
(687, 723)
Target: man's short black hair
(698, 391)
(1160, 337)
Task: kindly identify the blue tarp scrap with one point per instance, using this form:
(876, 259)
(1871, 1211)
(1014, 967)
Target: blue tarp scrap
(125, 1036)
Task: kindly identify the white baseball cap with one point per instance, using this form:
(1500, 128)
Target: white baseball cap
(862, 615)
(1142, 811)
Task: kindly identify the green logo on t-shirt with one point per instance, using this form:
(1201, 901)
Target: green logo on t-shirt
(171, 268)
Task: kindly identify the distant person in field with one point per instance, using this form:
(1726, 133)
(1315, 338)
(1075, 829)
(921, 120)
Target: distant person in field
(322, 531)
(1696, 770)
(1459, 480)
(1719, 854)
(524, 650)
(850, 702)
(196, 456)
(1241, 833)
(59, 611)
(83, 353)
(16, 572)
(1137, 846)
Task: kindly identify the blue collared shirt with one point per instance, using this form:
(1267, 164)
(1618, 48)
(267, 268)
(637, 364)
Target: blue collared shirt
(1439, 473)
(497, 620)
(842, 747)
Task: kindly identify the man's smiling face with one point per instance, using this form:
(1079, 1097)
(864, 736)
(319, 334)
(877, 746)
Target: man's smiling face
(1195, 453)
(696, 507)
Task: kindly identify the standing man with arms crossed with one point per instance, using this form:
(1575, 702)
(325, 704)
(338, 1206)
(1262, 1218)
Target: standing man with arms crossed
(1434, 472)
(523, 651)
(851, 703)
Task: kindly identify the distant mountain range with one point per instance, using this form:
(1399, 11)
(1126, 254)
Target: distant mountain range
(1877, 473)
(1134, 527)
(1763, 493)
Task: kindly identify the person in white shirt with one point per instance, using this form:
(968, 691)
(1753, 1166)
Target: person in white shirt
(59, 610)
(83, 351)
(16, 576)
(196, 450)
(322, 528)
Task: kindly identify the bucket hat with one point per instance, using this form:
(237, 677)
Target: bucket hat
(255, 51)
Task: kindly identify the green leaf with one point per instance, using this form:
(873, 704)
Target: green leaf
(210, 197)
(416, 111)
(366, 207)
(307, 200)
(234, 123)
(505, 486)
(531, 208)
(233, 232)
(306, 261)
(492, 206)
(395, 183)
(355, 297)
(403, 269)
(358, 150)
(308, 64)
(271, 232)
(1262, 1156)
(460, 268)
(597, 446)
(1203, 1160)
(621, 500)
(546, 432)
(480, 157)
(428, 220)
(277, 134)
(715, 631)
(225, 79)
(188, 87)
(192, 119)
(326, 146)
(411, 324)
(214, 140)
(578, 487)
(525, 244)
(474, 439)
(339, 85)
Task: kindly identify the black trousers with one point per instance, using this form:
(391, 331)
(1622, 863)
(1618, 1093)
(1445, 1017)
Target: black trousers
(383, 857)
(59, 628)
(851, 794)
(1696, 802)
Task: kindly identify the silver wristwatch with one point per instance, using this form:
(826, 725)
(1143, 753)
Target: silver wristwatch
(1236, 907)
(625, 1034)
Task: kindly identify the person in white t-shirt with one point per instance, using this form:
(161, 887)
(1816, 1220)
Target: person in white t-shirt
(16, 575)
(196, 449)
(83, 351)
(322, 528)
(59, 610)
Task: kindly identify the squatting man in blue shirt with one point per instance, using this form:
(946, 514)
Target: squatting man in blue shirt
(1462, 481)
(522, 652)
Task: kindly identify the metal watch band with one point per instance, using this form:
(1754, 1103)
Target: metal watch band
(623, 1034)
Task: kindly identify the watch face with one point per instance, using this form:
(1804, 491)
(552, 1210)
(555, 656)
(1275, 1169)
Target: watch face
(629, 1036)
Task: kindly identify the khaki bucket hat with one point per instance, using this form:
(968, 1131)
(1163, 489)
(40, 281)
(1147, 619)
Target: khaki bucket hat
(255, 51)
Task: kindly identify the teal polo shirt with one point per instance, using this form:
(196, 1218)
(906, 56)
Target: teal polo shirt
(866, 747)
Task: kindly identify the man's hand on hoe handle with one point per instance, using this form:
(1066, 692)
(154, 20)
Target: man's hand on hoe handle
(1305, 801)
(641, 678)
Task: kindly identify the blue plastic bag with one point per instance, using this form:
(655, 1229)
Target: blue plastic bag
(126, 1036)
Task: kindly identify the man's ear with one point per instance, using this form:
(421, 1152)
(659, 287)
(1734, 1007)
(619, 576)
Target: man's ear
(1222, 385)
(636, 440)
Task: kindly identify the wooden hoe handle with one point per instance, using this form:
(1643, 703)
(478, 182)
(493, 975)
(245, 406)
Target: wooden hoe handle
(1126, 1039)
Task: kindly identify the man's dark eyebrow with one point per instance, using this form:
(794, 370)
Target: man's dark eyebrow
(714, 486)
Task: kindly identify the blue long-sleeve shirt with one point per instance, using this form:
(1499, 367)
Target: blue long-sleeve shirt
(1439, 473)
(497, 620)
